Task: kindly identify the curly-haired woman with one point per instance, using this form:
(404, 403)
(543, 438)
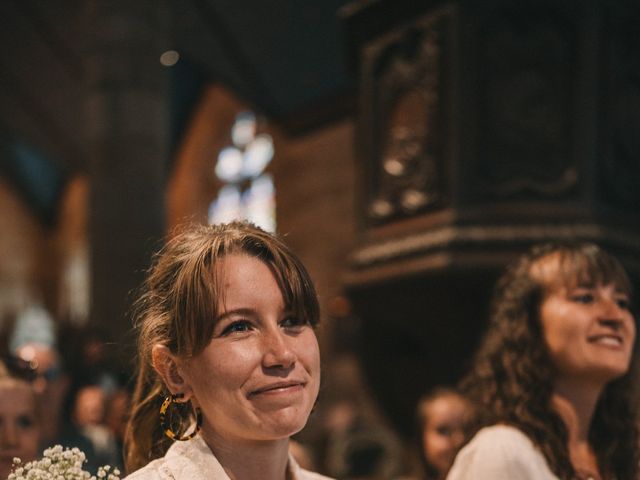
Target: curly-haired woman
(552, 376)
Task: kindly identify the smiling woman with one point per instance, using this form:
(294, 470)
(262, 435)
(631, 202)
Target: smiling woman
(552, 379)
(229, 360)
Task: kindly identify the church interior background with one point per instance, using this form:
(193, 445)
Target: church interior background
(405, 150)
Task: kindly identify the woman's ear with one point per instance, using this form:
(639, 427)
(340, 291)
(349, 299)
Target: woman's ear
(168, 367)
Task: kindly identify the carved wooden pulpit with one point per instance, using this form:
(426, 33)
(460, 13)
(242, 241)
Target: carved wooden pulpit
(483, 127)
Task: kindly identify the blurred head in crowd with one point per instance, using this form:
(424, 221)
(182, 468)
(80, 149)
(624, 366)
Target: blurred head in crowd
(45, 361)
(49, 384)
(19, 418)
(444, 417)
(89, 405)
(34, 341)
(117, 414)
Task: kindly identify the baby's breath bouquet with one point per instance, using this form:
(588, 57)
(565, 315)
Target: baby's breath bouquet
(60, 464)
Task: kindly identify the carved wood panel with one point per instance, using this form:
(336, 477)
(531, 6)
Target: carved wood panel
(527, 63)
(619, 166)
(403, 122)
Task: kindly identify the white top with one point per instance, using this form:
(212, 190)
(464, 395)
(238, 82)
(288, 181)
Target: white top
(500, 452)
(193, 460)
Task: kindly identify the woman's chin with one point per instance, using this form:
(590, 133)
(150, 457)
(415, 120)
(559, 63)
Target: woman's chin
(284, 426)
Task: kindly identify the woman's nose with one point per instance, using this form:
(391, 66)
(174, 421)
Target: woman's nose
(611, 314)
(277, 350)
(610, 308)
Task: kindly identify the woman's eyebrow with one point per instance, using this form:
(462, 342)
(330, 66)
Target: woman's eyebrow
(235, 311)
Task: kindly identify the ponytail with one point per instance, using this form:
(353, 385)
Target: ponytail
(144, 439)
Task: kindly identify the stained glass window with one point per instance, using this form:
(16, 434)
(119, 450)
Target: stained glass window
(248, 192)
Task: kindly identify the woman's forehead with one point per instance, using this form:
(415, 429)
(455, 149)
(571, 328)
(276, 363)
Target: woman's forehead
(227, 269)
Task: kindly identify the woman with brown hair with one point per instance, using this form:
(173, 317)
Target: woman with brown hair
(552, 377)
(444, 416)
(229, 366)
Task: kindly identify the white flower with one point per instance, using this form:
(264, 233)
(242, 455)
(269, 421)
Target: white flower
(59, 464)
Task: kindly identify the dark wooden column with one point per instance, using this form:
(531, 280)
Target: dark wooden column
(484, 127)
(127, 137)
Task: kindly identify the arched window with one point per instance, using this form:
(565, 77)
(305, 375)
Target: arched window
(248, 192)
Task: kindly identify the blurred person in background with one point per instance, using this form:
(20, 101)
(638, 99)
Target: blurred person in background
(444, 418)
(116, 419)
(552, 380)
(85, 427)
(358, 442)
(20, 431)
(367, 452)
(88, 357)
(34, 342)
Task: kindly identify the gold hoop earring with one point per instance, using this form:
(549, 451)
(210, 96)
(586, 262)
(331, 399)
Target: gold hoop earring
(164, 421)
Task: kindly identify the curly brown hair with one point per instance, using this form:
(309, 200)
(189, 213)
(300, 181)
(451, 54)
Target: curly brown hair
(180, 297)
(512, 379)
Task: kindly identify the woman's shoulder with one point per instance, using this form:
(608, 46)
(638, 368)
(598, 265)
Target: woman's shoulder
(190, 460)
(158, 470)
(193, 460)
(500, 452)
(502, 434)
(151, 471)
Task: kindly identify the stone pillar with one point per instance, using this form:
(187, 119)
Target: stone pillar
(127, 128)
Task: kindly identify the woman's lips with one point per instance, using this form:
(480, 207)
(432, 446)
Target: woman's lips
(613, 341)
(277, 388)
